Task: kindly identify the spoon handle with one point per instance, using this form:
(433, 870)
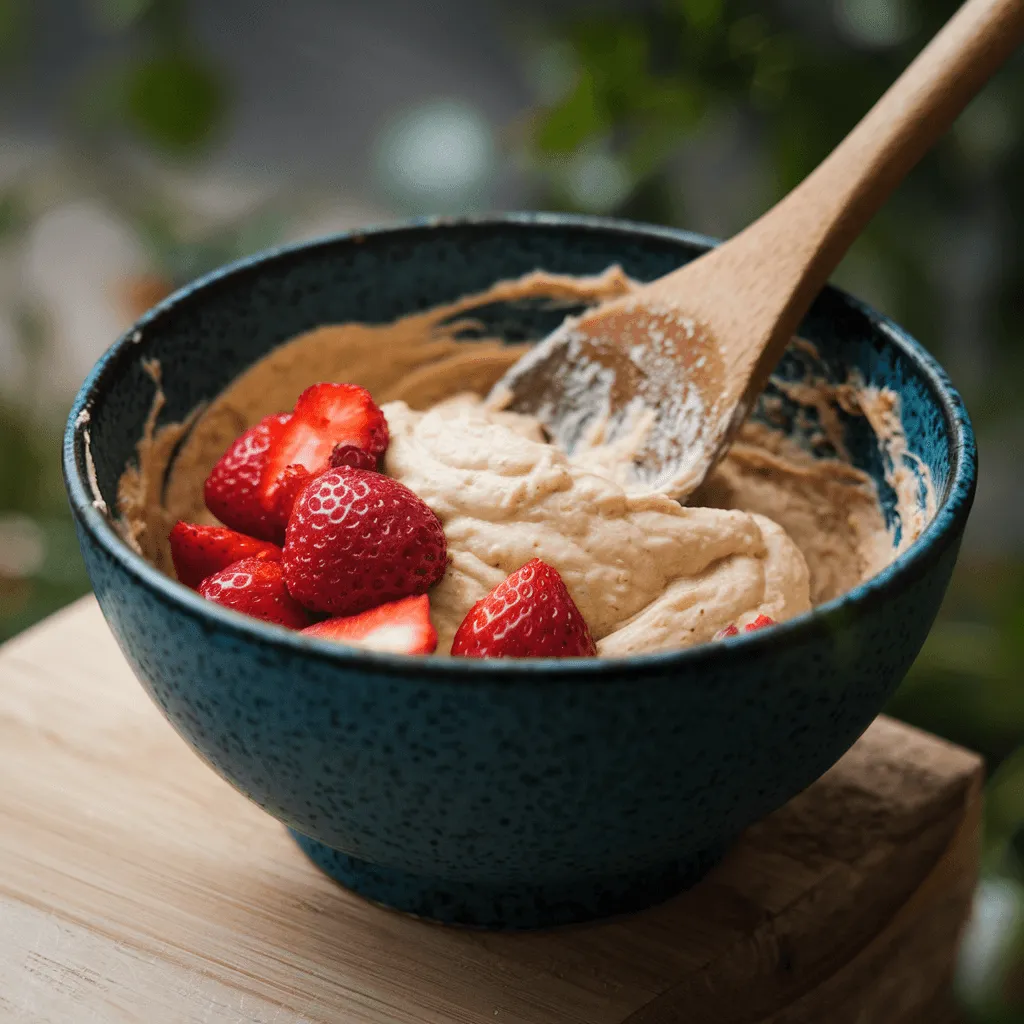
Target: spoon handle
(803, 238)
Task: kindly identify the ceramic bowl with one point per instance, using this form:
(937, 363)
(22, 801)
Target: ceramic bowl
(500, 793)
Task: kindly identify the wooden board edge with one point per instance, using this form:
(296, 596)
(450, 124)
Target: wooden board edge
(928, 926)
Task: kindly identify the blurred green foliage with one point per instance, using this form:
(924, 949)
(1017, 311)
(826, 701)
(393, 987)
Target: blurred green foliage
(182, 256)
(160, 91)
(173, 99)
(12, 24)
(165, 91)
(34, 512)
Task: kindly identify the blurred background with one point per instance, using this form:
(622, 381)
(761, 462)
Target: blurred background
(143, 142)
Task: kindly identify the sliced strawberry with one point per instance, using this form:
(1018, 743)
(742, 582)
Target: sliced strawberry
(350, 455)
(357, 539)
(733, 630)
(529, 615)
(233, 490)
(401, 627)
(199, 551)
(325, 416)
(255, 586)
(281, 499)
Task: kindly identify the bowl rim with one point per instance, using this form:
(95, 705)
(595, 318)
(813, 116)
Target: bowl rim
(950, 515)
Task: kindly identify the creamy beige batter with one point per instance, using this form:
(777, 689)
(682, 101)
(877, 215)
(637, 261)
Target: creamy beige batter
(773, 531)
(646, 573)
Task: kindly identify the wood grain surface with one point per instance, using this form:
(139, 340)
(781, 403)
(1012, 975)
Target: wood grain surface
(137, 887)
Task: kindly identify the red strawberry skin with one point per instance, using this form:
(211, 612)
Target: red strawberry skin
(233, 490)
(529, 615)
(256, 587)
(400, 627)
(357, 539)
(350, 455)
(282, 497)
(199, 551)
(325, 416)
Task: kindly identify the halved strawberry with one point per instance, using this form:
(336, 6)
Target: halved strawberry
(357, 539)
(528, 615)
(233, 490)
(733, 630)
(255, 586)
(325, 416)
(199, 551)
(279, 502)
(401, 627)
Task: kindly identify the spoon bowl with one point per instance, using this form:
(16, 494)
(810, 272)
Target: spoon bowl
(631, 371)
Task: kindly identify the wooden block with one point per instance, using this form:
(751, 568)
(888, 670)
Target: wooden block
(137, 887)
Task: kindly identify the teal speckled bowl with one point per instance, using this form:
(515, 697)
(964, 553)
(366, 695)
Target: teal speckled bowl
(502, 794)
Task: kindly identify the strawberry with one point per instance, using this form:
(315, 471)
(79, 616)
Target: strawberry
(357, 539)
(350, 455)
(401, 627)
(733, 630)
(199, 551)
(233, 490)
(279, 502)
(282, 498)
(325, 416)
(529, 615)
(256, 587)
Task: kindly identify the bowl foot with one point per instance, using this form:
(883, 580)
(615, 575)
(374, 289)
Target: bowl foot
(509, 907)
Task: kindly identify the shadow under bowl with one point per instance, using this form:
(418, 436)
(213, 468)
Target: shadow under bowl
(501, 794)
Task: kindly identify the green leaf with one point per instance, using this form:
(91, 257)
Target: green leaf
(13, 24)
(676, 103)
(175, 101)
(12, 216)
(573, 121)
(771, 72)
(118, 15)
(668, 114)
(19, 463)
(99, 101)
(702, 15)
(1004, 799)
(615, 55)
(748, 35)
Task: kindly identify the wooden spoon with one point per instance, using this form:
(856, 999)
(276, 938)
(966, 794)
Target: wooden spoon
(678, 363)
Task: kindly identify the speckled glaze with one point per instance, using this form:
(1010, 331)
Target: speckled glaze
(501, 794)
